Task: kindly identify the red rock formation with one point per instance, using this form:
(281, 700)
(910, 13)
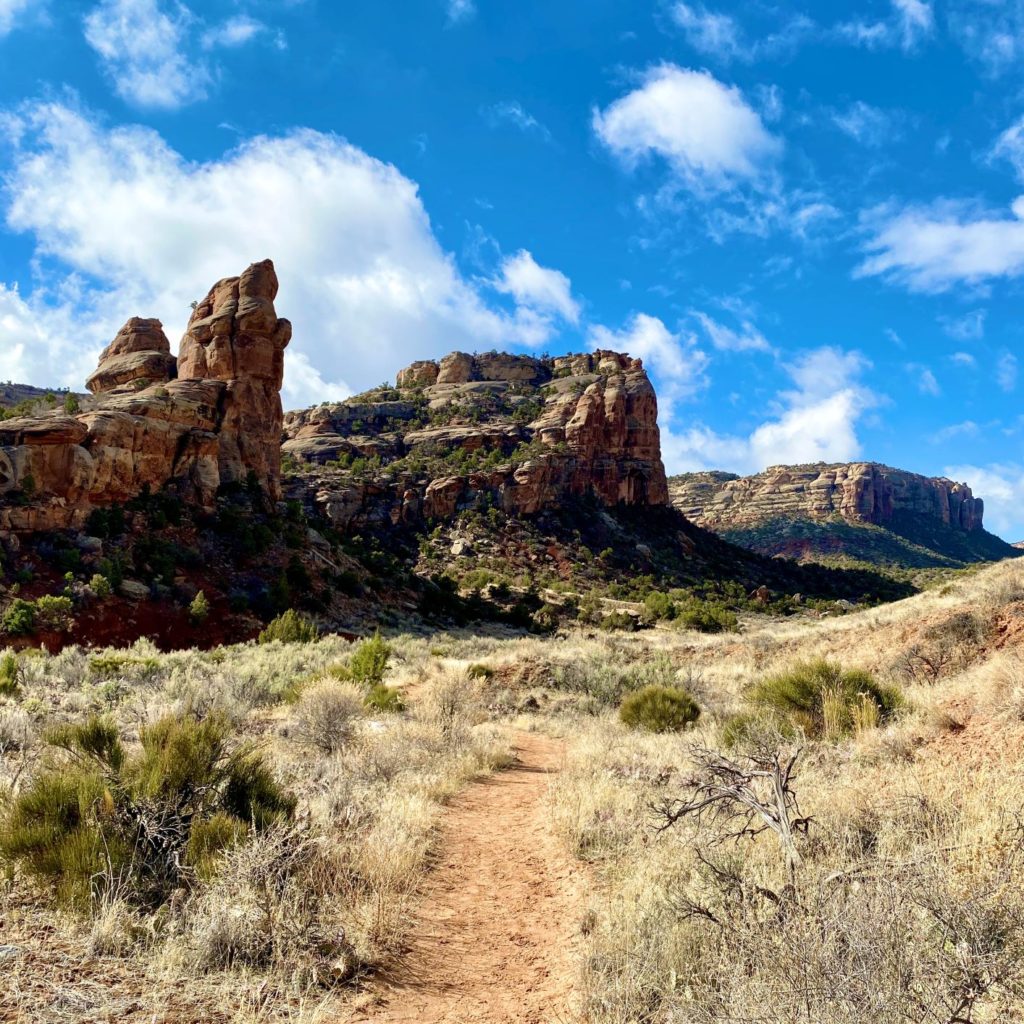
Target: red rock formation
(139, 354)
(596, 433)
(859, 492)
(235, 336)
(219, 421)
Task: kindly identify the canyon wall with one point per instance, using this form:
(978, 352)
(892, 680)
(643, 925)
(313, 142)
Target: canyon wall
(858, 492)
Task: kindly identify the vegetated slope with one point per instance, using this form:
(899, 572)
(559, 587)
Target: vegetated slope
(844, 514)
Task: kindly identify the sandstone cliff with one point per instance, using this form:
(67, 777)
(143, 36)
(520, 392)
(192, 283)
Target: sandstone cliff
(519, 433)
(858, 492)
(860, 511)
(211, 417)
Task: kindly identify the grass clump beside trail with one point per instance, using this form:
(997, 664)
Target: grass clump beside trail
(9, 686)
(98, 819)
(659, 709)
(819, 698)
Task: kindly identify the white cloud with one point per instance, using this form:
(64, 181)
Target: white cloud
(537, 288)
(909, 23)
(865, 124)
(707, 32)
(363, 278)
(674, 359)
(814, 422)
(1010, 146)
(966, 429)
(12, 12)
(747, 339)
(238, 31)
(707, 132)
(721, 36)
(933, 248)
(460, 11)
(1001, 486)
(143, 49)
(513, 113)
(991, 32)
(927, 383)
(1006, 372)
(968, 327)
(963, 359)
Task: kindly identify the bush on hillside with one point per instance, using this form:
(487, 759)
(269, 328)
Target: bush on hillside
(824, 700)
(707, 617)
(146, 824)
(289, 628)
(384, 698)
(659, 709)
(369, 661)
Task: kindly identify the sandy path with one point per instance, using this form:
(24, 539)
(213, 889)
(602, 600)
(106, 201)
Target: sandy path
(493, 938)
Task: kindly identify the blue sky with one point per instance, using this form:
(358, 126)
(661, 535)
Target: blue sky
(807, 219)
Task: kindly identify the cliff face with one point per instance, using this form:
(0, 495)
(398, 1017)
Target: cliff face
(212, 416)
(859, 492)
(520, 433)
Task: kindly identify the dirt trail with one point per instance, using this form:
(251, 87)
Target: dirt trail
(493, 937)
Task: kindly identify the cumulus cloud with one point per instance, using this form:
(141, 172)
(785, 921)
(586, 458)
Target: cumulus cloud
(814, 421)
(538, 288)
(363, 277)
(932, 248)
(747, 338)
(705, 130)
(1010, 147)
(927, 383)
(675, 359)
(142, 47)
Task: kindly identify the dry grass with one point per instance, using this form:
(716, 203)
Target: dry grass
(905, 905)
(290, 917)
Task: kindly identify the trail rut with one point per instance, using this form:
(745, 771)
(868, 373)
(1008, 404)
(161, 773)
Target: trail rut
(494, 937)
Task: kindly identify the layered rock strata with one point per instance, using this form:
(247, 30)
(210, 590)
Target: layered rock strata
(211, 417)
(520, 433)
(859, 492)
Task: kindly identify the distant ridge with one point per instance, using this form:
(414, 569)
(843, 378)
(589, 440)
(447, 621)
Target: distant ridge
(843, 512)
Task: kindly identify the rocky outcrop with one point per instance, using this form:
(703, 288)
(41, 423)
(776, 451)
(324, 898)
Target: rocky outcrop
(140, 354)
(859, 492)
(235, 336)
(218, 421)
(521, 433)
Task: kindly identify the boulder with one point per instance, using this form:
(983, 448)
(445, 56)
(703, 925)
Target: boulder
(140, 352)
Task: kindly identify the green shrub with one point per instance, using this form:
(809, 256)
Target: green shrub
(384, 698)
(100, 586)
(53, 612)
(707, 617)
(823, 700)
(658, 606)
(97, 819)
(9, 685)
(199, 609)
(659, 709)
(19, 618)
(478, 671)
(290, 628)
(618, 620)
(369, 661)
